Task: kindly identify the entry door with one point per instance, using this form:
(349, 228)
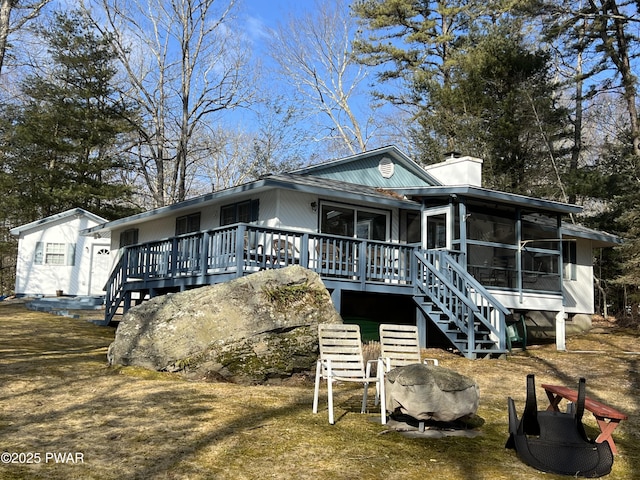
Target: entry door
(437, 228)
(100, 269)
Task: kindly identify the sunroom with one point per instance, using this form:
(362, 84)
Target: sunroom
(511, 244)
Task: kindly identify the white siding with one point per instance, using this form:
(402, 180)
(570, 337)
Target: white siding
(293, 210)
(528, 301)
(34, 279)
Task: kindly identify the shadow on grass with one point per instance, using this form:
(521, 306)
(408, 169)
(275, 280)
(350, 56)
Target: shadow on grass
(607, 369)
(59, 395)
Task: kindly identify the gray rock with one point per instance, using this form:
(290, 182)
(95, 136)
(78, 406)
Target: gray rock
(251, 329)
(427, 392)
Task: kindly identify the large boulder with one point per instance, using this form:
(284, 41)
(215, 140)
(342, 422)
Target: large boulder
(250, 329)
(427, 392)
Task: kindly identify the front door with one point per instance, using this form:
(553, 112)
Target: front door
(437, 228)
(100, 266)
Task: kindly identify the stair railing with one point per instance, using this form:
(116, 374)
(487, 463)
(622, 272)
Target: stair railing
(114, 295)
(460, 296)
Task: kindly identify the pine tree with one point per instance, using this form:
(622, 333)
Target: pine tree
(60, 143)
(474, 84)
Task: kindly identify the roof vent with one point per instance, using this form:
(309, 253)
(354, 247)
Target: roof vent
(386, 167)
(452, 154)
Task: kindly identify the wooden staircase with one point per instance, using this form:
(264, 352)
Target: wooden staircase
(464, 311)
(116, 302)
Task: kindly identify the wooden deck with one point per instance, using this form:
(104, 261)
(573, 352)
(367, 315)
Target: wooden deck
(443, 290)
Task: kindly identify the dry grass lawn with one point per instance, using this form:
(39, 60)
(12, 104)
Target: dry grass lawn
(59, 396)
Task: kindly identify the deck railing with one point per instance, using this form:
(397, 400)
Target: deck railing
(241, 248)
(232, 251)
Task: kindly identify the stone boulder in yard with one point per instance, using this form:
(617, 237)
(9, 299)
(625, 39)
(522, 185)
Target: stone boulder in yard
(251, 329)
(427, 392)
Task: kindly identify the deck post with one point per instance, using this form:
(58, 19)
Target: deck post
(560, 331)
(362, 262)
(421, 323)
(304, 250)
(336, 295)
(204, 257)
(239, 247)
(471, 334)
(173, 265)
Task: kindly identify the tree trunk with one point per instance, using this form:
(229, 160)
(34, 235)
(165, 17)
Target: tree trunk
(5, 16)
(617, 49)
(576, 150)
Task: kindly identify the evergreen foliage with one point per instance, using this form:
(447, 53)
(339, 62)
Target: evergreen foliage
(60, 141)
(476, 85)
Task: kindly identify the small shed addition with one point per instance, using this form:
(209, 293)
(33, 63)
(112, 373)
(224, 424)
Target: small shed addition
(53, 258)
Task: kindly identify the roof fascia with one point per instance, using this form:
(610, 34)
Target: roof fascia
(57, 217)
(492, 195)
(600, 239)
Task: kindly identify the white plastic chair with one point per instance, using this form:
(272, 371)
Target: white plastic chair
(341, 360)
(399, 346)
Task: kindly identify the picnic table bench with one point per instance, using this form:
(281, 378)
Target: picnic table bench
(607, 417)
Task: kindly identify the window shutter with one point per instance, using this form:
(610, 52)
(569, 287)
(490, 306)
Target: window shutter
(71, 254)
(38, 254)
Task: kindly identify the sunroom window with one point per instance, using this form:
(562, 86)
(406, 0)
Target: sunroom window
(503, 252)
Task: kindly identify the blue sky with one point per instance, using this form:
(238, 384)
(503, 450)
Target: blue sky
(266, 13)
(256, 18)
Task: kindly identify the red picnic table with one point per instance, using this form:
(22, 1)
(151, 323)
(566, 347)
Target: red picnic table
(607, 417)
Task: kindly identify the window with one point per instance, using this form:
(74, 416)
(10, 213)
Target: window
(55, 254)
(569, 260)
(540, 231)
(493, 266)
(350, 222)
(188, 224)
(241, 212)
(437, 231)
(129, 237)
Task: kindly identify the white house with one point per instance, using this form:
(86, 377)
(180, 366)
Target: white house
(392, 240)
(53, 258)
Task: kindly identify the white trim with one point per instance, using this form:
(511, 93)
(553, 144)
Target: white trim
(429, 212)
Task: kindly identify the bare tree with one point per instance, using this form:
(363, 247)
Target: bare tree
(230, 159)
(14, 15)
(314, 55)
(611, 24)
(183, 64)
(603, 31)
